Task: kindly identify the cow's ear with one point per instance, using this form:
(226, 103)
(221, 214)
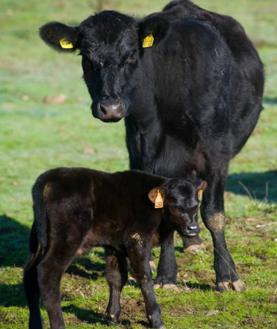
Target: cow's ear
(152, 30)
(156, 196)
(60, 36)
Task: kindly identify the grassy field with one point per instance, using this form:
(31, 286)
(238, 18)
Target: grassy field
(36, 134)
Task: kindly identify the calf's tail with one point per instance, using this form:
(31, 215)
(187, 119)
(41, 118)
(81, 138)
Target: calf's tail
(37, 246)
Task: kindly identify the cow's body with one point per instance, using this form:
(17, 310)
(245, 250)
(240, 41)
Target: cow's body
(205, 89)
(76, 209)
(208, 87)
(190, 101)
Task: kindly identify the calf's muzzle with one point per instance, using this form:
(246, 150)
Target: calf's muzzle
(192, 229)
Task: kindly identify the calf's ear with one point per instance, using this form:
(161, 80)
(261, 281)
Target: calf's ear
(201, 187)
(156, 196)
(152, 30)
(59, 36)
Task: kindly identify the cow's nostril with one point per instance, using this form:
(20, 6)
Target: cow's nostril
(103, 109)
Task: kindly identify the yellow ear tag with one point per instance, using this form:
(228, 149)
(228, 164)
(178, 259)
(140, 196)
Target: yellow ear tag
(200, 195)
(159, 202)
(66, 44)
(148, 41)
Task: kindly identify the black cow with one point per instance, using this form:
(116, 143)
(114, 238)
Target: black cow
(189, 84)
(126, 213)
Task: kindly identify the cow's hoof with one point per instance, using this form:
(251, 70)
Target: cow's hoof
(167, 286)
(195, 248)
(162, 280)
(170, 286)
(237, 285)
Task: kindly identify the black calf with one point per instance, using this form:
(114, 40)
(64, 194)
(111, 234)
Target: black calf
(126, 213)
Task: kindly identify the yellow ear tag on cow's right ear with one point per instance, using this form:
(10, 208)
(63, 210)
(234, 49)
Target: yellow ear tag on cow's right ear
(159, 201)
(148, 41)
(66, 44)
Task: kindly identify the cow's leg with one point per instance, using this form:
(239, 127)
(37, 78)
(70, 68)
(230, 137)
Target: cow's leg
(167, 268)
(212, 211)
(116, 274)
(139, 257)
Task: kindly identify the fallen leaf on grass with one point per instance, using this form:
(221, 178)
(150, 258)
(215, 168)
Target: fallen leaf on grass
(212, 312)
(58, 99)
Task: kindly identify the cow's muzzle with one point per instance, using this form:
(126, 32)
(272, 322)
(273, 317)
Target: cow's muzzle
(110, 111)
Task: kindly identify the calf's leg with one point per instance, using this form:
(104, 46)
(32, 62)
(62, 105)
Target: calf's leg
(50, 271)
(49, 278)
(116, 274)
(212, 211)
(139, 257)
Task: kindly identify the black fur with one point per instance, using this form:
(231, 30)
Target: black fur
(77, 209)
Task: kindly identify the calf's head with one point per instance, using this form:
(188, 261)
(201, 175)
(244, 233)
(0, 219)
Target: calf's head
(180, 199)
(111, 45)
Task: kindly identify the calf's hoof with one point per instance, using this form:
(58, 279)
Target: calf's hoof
(112, 319)
(237, 285)
(195, 248)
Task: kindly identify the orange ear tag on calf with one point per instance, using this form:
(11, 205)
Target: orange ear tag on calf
(159, 202)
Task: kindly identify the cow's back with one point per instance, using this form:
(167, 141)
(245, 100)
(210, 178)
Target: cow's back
(233, 33)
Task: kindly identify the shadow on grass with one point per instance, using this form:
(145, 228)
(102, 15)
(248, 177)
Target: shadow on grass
(84, 268)
(259, 186)
(12, 295)
(199, 286)
(13, 242)
(90, 316)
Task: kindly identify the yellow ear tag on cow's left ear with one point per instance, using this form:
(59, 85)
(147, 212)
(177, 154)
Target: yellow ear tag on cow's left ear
(148, 41)
(66, 44)
(159, 201)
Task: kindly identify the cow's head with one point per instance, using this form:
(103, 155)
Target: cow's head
(111, 45)
(180, 198)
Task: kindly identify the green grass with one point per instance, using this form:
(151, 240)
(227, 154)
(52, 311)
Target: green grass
(36, 136)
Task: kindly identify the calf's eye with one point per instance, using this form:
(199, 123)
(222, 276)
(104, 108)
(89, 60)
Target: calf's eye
(130, 60)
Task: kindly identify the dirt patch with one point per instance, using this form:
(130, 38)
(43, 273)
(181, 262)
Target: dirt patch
(129, 307)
